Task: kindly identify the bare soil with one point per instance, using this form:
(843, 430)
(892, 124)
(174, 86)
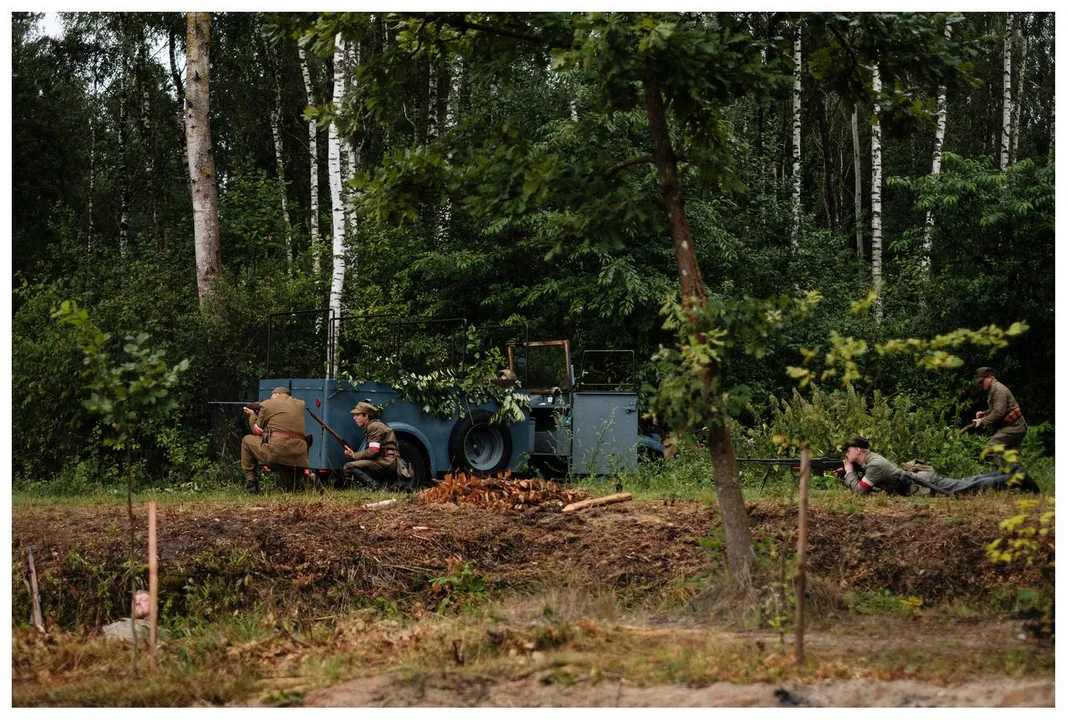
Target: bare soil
(331, 557)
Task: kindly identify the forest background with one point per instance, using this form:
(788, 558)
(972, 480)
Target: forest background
(479, 167)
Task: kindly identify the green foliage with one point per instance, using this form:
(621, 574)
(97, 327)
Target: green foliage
(897, 426)
(128, 395)
(724, 330)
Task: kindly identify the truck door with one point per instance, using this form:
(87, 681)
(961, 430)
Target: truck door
(604, 414)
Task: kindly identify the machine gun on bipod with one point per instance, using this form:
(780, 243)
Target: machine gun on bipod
(816, 465)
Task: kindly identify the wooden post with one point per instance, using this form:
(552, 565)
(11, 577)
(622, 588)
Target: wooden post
(35, 595)
(802, 552)
(153, 586)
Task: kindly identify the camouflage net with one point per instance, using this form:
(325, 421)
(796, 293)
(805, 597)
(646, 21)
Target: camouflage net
(501, 492)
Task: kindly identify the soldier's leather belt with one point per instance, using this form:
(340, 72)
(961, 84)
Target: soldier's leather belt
(286, 434)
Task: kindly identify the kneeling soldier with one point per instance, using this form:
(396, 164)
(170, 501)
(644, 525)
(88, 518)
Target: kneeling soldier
(376, 463)
(277, 440)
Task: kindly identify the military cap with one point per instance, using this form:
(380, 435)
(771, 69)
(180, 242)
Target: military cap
(984, 372)
(856, 441)
(365, 408)
(281, 391)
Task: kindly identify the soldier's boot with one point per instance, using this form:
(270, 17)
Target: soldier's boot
(360, 479)
(1025, 483)
(252, 484)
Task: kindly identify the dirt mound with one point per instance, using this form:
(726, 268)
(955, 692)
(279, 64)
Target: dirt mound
(328, 554)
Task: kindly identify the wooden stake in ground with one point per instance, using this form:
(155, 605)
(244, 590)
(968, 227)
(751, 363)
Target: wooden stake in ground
(802, 553)
(153, 586)
(35, 595)
(594, 502)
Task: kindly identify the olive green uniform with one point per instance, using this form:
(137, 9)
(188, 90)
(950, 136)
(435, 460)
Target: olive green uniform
(1004, 416)
(917, 478)
(377, 457)
(282, 444)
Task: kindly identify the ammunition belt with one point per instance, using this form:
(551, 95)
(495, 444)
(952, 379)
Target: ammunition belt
(286, 434)
(1012, 416)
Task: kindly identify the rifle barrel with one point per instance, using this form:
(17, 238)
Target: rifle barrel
(327, 428)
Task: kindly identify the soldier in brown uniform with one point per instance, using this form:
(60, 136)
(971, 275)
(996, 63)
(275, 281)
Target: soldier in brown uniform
(867, 471)
(376, 462)
(1003, 414)
(277, 440)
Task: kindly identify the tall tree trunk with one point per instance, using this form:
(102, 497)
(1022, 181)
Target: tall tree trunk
(877, 197)
(143, 77)
(694, 298)
(179, 93)
(1024, 28)
(936, 168)
(201, 158)
(432, 102)
(830, 193)
(337, 281)
(124, 144)
(452, 109)
(313, 162)
(273, 61)
(858, 203)
(1006, 87)
(796, 148)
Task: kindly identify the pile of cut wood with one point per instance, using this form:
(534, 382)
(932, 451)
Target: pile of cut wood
(500, 491)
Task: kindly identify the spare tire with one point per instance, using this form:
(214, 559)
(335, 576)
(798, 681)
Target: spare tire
(475, 444)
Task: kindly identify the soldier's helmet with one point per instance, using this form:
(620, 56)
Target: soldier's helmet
(506, 374)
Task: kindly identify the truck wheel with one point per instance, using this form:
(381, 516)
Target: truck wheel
(477, 445)
(411, 451)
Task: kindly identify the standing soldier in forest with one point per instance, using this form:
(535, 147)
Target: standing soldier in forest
(277, 440)
(377, 462)
(1002, 413)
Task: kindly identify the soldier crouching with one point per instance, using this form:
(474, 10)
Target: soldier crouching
(277, 440)
(376, 462)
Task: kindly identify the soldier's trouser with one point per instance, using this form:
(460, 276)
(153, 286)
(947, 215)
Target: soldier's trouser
(369, 471)
(1009, 438)
(253, 452)
(973, 484)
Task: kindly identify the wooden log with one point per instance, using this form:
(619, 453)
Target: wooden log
(153, 586)
(594, 502)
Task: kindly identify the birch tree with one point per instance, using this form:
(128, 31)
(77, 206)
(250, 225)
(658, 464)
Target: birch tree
(272, 59)
(313, 163)
(797, 138)
(1022, 31)
(858, 203)
(1006, 92)
(337, 278)
(144, 82)
(877, 195)
(936, 167)
(201, 158)
(452, 107)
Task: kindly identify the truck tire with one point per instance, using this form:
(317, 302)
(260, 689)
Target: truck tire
(411, 451)
(475, 444)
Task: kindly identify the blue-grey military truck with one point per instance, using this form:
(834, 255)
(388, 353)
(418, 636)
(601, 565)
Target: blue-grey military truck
(569, 425)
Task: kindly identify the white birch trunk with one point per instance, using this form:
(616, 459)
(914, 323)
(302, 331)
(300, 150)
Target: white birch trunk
(279, 150)
(313, 171)
(146, 139)
(1022, 65)
(877, 198)
(124, 173)
(200, 157)
(351, 161)
(797, 139)
(337, 206)
(432, 103)
(858, 203)
(936, 168)
(452, 107)
(1006, 85)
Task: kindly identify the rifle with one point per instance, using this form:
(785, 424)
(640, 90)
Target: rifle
(253, 406)
(329, 429)
(966, 428)
(816, 465)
